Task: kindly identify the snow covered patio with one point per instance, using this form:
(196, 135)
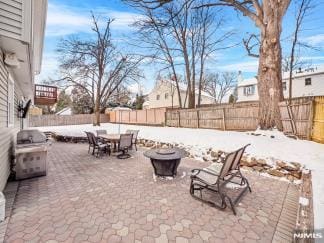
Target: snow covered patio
(86, 199)
(268, 145)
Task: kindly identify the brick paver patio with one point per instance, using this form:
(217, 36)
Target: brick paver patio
(85, 199)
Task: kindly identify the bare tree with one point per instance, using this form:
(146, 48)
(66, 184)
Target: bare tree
(304, 6)
(220, 85)
(96, 66)
(267, 16)
(182, 37)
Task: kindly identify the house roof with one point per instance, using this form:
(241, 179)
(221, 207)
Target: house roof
(305, 72)
(285, 75)
(246, 82)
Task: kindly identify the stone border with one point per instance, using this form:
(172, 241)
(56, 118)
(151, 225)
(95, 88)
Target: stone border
(305, 213)
(290, 171)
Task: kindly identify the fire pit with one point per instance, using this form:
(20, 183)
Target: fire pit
(165, 161)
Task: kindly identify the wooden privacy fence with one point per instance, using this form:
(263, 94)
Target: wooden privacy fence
(304, 118)
(60, 120)
(318, 120)
(142, 117)
(239, 116)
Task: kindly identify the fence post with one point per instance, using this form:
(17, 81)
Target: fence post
(224, 120)
(154, 116)
(198, 125)
(311, 119)
(135, 116)
(146, 116)
(179, 120)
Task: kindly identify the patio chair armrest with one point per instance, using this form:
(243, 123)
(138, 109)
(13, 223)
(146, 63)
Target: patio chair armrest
(195, 172)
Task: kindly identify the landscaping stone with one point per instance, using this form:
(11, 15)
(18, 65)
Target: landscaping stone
(276, 172)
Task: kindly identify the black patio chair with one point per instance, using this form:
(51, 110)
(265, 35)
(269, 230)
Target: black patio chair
(96, 145)
(124, 144)
(215, 180)
(135, 134)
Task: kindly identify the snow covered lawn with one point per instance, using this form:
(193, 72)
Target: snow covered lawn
(268, 145)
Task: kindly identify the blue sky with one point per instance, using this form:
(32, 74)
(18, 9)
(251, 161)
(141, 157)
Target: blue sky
(73, 18)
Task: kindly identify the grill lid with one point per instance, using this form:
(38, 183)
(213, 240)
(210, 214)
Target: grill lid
(30, 137)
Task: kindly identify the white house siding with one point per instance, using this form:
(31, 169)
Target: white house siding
(242, 97)
(171, 100)
(8, 134)
(299, 88)
(11, 14)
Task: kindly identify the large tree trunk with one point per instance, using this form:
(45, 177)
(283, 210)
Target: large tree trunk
(269, 73)
(97, 111)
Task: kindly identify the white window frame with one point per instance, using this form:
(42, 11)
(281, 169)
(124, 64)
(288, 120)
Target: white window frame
(249, 90)
(308, 81)
(11, 102)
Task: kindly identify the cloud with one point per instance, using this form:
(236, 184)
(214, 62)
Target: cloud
(65, 20)
(315, 39)
(248, 66)
(49, 67)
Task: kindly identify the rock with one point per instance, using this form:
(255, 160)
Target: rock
(286, 166)
(296, 164)
(251, 163)
(276, 172)
(261, 162)
(214, 154)
(164, 146)
(258, 168)
(205, 158)
(296, 174)
(149, 144)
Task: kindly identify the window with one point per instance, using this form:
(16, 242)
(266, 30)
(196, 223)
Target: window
(308, 81)
(249, 90)
(166, 96)
(157, 97)
(11, 101)
(284, 85)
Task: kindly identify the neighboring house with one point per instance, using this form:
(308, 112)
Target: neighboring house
(22, 27)
(64, 112)
(165, 94)
(307, 82)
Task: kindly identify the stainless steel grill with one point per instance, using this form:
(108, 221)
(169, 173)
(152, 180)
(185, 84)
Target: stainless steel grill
(31, 154)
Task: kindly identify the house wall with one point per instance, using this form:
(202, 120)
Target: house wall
(12, 18)
(242, 97)
(171, 101)
(8, 134)
(299, 88)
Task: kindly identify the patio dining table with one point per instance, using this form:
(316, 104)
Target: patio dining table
(112, 137)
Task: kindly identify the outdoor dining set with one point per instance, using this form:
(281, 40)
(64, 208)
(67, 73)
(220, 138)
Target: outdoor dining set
(104, 142)
(213, 179)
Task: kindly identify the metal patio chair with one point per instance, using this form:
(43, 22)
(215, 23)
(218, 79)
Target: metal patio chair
(135, 134)
(96, 145)
(124, 144)
(215, 180)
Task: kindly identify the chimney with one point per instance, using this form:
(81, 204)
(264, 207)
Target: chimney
(239, 77)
